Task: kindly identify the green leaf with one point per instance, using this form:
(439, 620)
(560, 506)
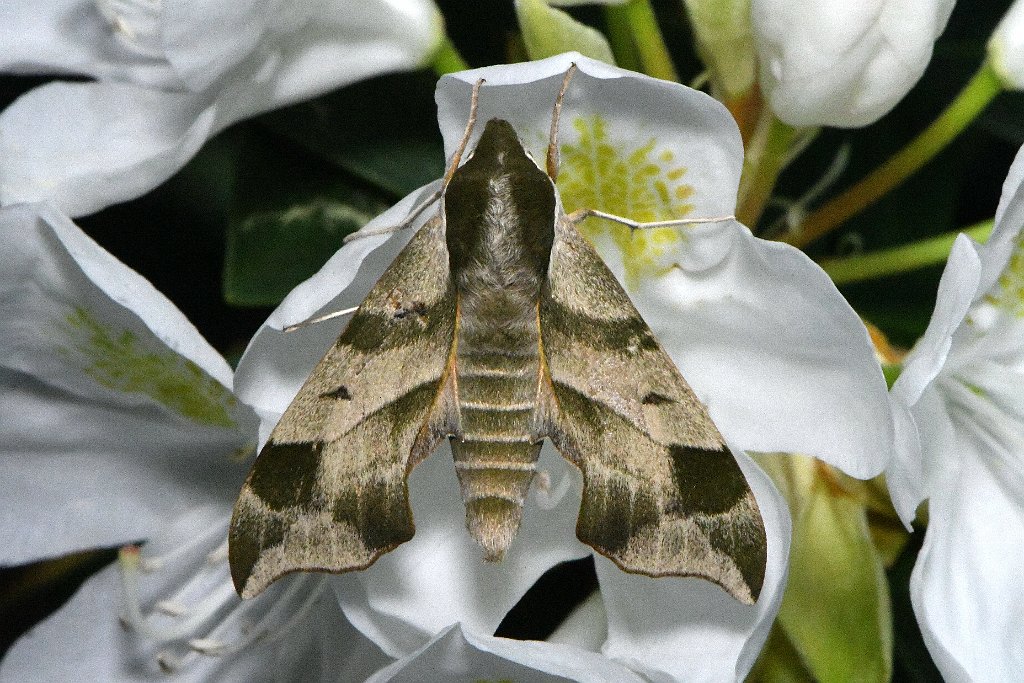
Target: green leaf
(779, 662)
(382, 131)
(836, 607)
(725, 41)
(290, 213)
(548, 31)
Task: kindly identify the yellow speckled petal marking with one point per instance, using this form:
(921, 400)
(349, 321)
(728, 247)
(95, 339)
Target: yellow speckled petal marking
(645, 183)
(120, 361)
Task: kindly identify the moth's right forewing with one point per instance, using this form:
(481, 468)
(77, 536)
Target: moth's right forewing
(663, 495)
(328, 492)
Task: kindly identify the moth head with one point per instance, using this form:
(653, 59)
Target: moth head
(499, 144)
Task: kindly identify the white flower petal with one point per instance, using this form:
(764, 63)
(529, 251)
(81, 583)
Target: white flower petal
(36, 39)
(1006, 47)
(964, 588)
(203, 39)
(586, 626)
(636, 110)
(905, 475)
(440, 577)
(84, 640)
(89, 145)
(116, 411)
(1005, 238)
(840, 63)
(194, 72)
(690, 628)
(957, 289)
(54, 271)
(313, 53)
(966, 585)
(80, 474)
(457, 654)
(768, 343)
(922, 439)
(302, 47)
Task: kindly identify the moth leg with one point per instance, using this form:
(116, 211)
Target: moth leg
(320, 319)
(552, 160)
(407, 223)
(580, 215)
(457, 157)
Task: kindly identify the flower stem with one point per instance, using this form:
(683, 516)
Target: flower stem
(899, 259)
(647, 39)
(763, 161)
(447, 59)
(971, 101)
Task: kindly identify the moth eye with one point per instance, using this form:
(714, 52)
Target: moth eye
(341, 393)
(655, 399)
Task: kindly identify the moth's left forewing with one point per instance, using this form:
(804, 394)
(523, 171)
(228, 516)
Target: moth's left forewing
(663, 495)
(328, 491)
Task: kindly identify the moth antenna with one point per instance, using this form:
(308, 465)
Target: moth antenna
(552, 161)
(582, 214)
(320, 319)
(405, 224)
(457, 157)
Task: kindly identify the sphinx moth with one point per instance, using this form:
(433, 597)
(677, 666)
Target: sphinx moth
(496, 327)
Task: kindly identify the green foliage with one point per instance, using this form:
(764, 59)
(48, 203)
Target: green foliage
(836, 607)
(309, 174)
(548, 31)
(290, 212)
(382, 131)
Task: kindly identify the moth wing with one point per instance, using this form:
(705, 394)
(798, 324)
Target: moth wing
(662, 494)
(328, 492)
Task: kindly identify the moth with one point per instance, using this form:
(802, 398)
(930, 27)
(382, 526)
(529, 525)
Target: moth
(496, 327)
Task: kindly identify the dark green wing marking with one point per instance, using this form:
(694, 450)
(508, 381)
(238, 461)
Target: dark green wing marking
(328, 492)
(662, 495)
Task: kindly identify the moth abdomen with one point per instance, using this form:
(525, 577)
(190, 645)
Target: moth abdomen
(496, 449)
(495, 476)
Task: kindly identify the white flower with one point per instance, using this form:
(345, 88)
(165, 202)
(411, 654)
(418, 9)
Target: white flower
(837, 63)
(119, 427)
(168, 74)
(1006, 47)
(964, 384)
(759, 331)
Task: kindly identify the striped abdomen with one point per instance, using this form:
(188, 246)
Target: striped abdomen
(496, 449)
